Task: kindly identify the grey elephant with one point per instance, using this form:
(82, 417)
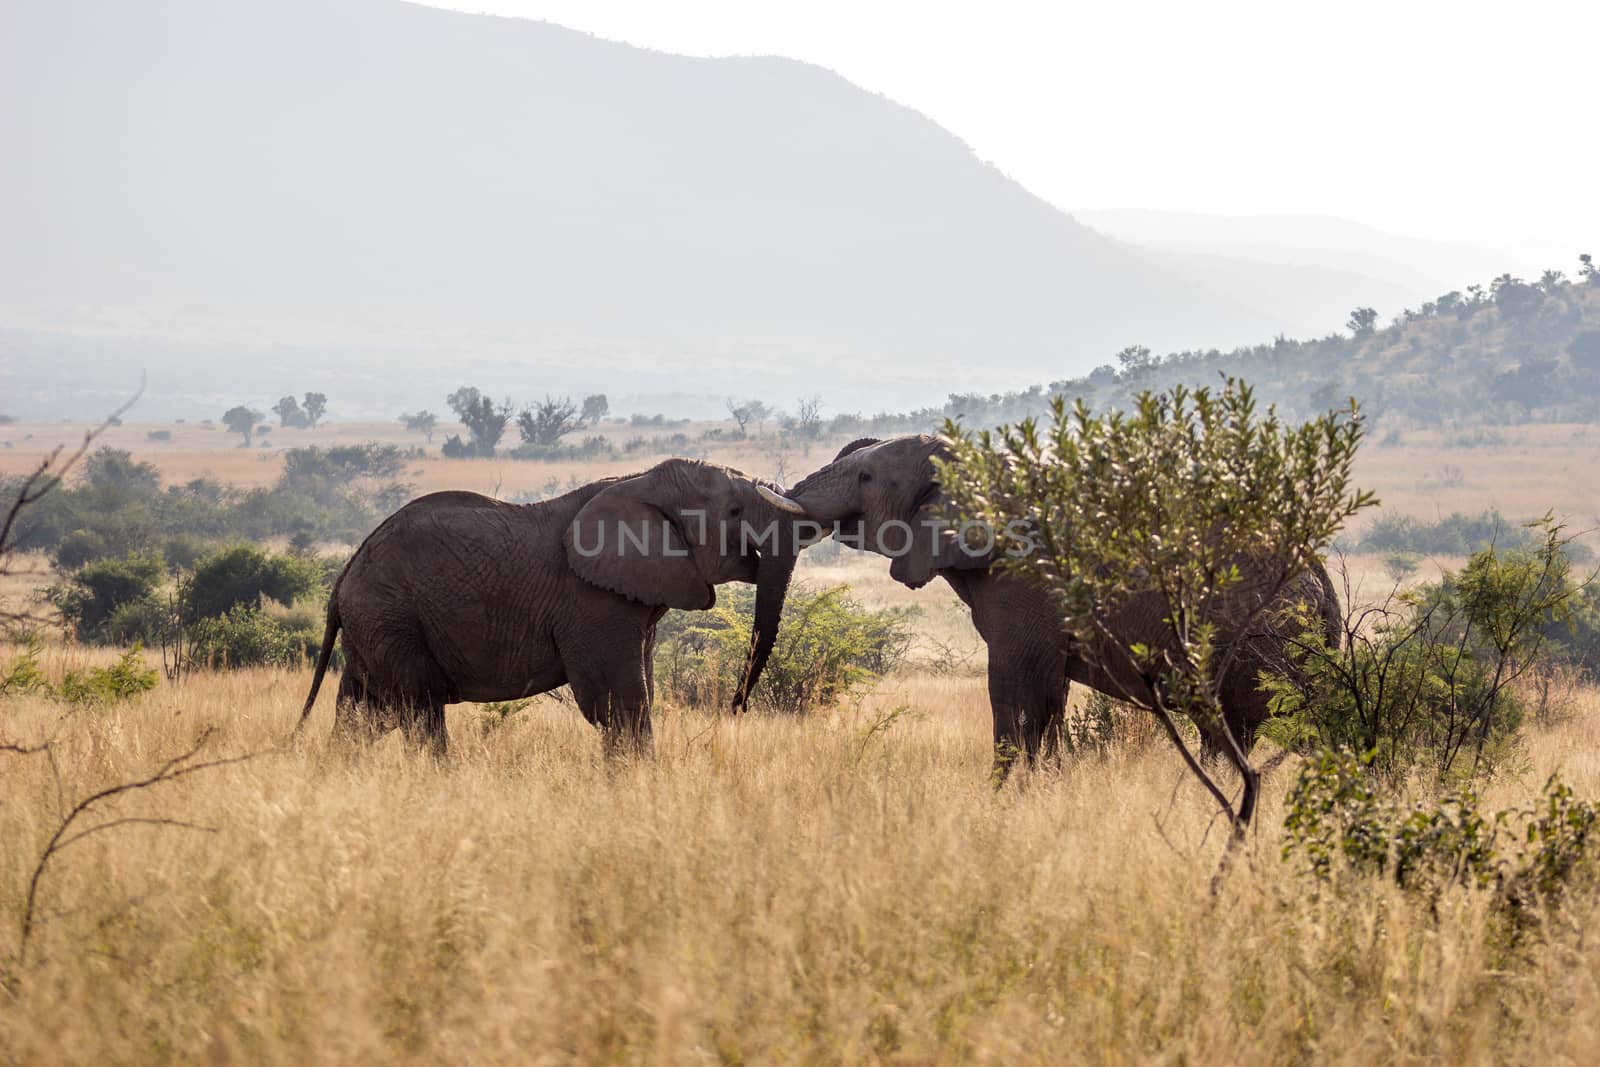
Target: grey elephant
(459, 597)
(884, 496)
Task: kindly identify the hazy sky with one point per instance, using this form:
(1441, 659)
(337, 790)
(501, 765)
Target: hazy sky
(1465, 121)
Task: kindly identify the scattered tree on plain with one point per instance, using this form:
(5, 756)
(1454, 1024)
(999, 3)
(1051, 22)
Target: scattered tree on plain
(548, 421)
(744, 412)
(808, 416)
(595, 408)
(315, 405)
(484, 419)
(289, 413)
(421, 422)
(241, 420)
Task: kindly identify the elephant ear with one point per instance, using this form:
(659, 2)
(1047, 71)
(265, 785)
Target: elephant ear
(621, 542)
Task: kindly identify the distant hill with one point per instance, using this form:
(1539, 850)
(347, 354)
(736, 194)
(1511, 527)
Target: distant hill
(381, 187)
(1510, 352)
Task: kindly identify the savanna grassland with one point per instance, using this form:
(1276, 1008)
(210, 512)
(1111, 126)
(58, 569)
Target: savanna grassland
(844, 887)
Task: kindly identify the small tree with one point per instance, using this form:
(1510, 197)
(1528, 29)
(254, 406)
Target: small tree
(1363, 322)
(808, 416)
(547, 421)
(595, 408)
(241, 420)
(744, 412)
(289, 414)
(1193, 498)
(421, 422)
(316, 405)
(1135, 362)
(484, 420)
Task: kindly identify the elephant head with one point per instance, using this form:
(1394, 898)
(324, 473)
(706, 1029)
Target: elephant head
(670, 535)
(884, 496)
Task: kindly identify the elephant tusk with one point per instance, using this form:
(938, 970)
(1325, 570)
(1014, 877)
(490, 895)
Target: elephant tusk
(779, 501)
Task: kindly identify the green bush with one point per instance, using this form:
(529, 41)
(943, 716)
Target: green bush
(123, 680)
(1426, 679)
(828, 646)
(247, 636)
(1340, 822)
(145, 622)
(90, 596)
(23, 675)
(80, 547)
(244, 575)
(183, 551)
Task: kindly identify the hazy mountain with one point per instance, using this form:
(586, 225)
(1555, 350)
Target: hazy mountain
(1297, 257)
(230, 190)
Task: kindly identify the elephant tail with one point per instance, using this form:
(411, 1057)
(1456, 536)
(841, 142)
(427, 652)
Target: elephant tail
(323, 657)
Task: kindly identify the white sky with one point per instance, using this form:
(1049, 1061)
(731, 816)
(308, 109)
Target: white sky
(1466, 121)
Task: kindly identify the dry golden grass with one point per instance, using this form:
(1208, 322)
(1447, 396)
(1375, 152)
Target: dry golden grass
(840, 889)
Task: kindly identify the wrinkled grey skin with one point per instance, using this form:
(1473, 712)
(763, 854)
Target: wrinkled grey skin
(459, 597)
(1032, 657)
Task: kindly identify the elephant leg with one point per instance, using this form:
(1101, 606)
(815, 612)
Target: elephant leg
(616, 698)
(1027, 695)
(353, 718)
(410, 693)
(422, 692)
(650, 666)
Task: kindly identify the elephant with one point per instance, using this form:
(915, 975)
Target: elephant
(884, 496)
(460, 597)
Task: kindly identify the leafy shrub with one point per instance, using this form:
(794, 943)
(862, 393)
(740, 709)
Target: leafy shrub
(23, 675)
(143, 622)
(244, 574)
(123, 680)
(1427, 678)
(247, 636)
(90, 596)
(183, 551)
(1338, 818)
(828, 646)
(80, 547)
(1339, 823)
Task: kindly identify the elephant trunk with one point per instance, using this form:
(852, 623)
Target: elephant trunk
(773, 574)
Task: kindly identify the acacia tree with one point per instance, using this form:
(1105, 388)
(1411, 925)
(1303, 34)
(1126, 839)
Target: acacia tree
(744, 412)
(484, 419)
(595, 408)
(289, 414)
(241, 420)
(421, 422)
(1169, 498)
(1363, 322)
(315, 405)
(548, 421)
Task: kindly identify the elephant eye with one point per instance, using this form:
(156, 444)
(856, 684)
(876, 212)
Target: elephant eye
(866, 476)
(734, 511)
